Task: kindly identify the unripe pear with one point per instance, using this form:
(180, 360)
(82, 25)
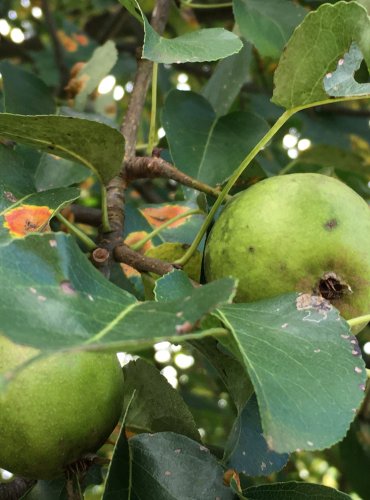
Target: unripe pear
(300, 232)
(56, 409)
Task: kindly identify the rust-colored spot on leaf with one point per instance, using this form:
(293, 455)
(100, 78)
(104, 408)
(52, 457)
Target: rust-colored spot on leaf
(135, 237)
(27, 219)
(81, 39)
(131, 239)
(156, 216)
(232, 474)
(68, 43)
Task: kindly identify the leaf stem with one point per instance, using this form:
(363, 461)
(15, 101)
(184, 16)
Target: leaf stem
(88, 242)
(244, 164)
(359, 320)
(136, 246)
(104, 207)
(153, 114)
(206, 6)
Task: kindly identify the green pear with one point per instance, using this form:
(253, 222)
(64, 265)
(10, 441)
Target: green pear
(56, 409)
(300, 232)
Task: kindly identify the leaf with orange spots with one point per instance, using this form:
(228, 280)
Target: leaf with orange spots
(68, 43)
(137, 236)
(130, 240)
(156, 216)
(27, 219)
(32, 213)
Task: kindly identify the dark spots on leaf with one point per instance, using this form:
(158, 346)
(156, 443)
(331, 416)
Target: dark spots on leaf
(331, 224)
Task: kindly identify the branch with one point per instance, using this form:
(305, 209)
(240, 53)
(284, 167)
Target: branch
(86, 215)
(117, 186)
(16, 488)
(125, 254)
(57, 47)
(142, 81)
(152, 167)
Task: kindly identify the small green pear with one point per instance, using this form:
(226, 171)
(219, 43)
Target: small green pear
(56, 409)
(300, 232)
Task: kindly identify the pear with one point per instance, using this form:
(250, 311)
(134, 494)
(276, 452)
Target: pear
(301, 232)
(56, 409)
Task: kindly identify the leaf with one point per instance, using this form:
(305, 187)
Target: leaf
(231, 372)
(54, 172)
(268, 24)
(247, 450)
(208, 148)
(172, 285)
(32, 213)
(156, 406)
(54, 489)
(227, 80)
(209, 44)
(93, 144)
(342, 82)
(355, 457)
(15, 179)
(66, 302)
(118, 480)
(24, 92)
(168, 466)
(293, 491)
(304, 365)
(90, 75)
(314, 50)
(333, 157)
(133, 8)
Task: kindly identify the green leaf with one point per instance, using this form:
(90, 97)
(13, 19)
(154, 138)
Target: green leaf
(173, 285)
(342, 83)
(168, 466)
(66, 302)
(117, 484)
(24, 92)
(209, 44)
(15, 179)
(133, 8)
(247, 450)
(54, 489)
(90, 75)
(333, 157)
(227, 80)
(305, 366)
(208, 148)
(293, 491)
(32, 220)
(156, 406)
(315, 49)
(93, 144)
(54, 172)
(230, 371)
(268, 24)
(355, 457)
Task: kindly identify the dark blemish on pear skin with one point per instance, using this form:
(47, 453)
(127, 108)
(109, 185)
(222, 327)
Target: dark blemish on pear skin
(331, 224)
(251, 249)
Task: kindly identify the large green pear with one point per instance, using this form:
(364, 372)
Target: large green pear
(56, 409)
(299, 232)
